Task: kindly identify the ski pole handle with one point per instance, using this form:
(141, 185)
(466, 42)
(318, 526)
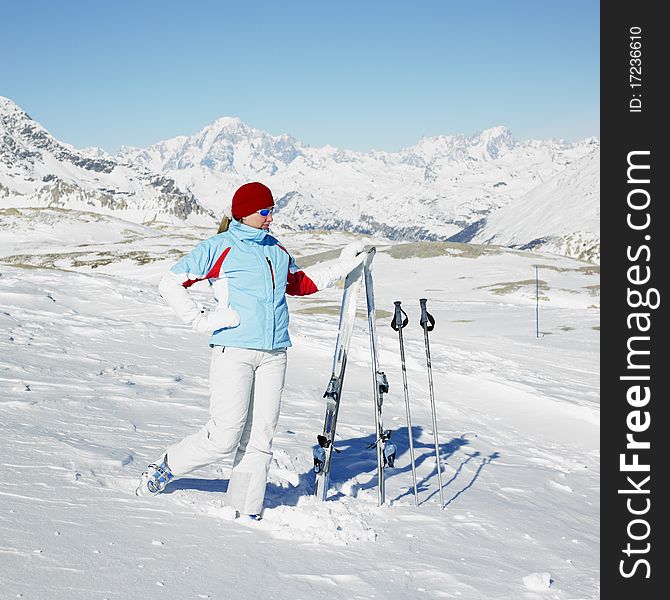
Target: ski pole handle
(427, 321)
(400, 318)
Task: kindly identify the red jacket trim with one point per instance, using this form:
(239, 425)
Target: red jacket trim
(213, 272)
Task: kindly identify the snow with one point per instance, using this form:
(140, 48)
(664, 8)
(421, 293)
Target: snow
(531, 193)
(36, 169)
(537, 581)
(97, 376)
(541, 213)
(431, 190)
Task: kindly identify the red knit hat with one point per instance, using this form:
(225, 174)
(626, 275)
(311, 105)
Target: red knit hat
(251, 197)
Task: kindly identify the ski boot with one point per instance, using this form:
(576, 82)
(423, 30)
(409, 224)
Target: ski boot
(319, 454)
(389, 455)
(154, 479)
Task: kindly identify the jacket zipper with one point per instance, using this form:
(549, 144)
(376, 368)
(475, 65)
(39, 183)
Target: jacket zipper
(271, 272)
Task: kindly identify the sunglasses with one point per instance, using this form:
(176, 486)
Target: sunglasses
(264, 212)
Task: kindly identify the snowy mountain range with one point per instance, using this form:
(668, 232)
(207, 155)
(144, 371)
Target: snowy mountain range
(489, 186)
(37, 170)
(538, 219)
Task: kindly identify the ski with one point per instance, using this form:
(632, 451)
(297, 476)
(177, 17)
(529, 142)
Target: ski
(322, 453)
(384, 449)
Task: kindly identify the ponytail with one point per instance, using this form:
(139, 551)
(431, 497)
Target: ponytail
(225, 223)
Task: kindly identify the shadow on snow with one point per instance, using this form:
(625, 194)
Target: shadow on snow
(357, 458)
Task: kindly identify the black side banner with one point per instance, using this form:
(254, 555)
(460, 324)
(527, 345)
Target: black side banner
(634, 360)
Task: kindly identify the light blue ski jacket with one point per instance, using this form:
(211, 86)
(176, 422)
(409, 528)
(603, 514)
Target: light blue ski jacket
(259, 273)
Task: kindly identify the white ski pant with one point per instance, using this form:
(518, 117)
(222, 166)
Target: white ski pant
(246, 388)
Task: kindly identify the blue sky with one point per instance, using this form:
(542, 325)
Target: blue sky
(358, 75)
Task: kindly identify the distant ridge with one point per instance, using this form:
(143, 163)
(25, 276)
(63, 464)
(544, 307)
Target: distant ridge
(487, 187)
(38, 170)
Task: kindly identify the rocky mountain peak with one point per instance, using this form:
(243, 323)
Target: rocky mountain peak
(36, 169)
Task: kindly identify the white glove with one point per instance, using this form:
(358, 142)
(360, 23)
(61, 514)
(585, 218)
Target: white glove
(350, 251)
(221, 318)
(324, 277)
(351, 256)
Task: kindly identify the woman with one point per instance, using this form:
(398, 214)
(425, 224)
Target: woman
(251, 273)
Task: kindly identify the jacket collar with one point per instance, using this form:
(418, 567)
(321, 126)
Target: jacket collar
(244, 232)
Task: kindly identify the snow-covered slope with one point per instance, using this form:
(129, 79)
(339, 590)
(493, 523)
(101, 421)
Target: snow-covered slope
(561, 215)
(38, 170)
(432, 190)
(97, 376)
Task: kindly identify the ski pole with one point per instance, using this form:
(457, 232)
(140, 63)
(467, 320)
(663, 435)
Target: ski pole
(399, 321)
(428, 324)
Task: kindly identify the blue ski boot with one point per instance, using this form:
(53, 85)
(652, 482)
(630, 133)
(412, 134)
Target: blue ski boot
(154, 479)
(319, 455)
(389, 454)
